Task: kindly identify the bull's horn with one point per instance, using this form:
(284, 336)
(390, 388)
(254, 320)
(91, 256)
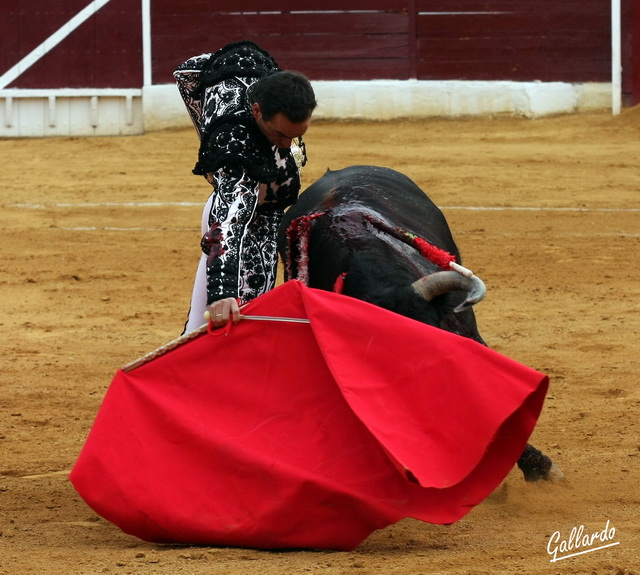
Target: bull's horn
(433, 285)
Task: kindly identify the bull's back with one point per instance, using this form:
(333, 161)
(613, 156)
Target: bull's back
(386, 191)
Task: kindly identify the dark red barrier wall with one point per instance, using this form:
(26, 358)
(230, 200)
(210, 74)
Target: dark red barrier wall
(547, 40)
(425, 39)
(353, 39)
(631, 52)
(103, 52)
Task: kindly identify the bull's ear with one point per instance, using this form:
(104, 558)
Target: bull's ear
(439, 283)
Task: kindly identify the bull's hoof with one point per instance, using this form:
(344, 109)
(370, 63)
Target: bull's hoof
(554, 475)
(536, 466)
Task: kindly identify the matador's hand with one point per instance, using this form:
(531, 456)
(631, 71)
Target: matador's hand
(219, 312)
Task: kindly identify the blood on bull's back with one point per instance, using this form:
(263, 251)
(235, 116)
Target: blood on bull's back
(381, 189)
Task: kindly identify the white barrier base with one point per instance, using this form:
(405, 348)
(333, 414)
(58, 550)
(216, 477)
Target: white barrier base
(69, 112)
(389, 99)
(86, 112)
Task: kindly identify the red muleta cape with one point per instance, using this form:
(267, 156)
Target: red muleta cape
(277, 435)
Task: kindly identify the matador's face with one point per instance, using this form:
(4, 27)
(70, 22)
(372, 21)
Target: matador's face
(279, 130)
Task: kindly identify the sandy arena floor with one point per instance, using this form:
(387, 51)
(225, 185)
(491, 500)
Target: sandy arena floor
(546, 211)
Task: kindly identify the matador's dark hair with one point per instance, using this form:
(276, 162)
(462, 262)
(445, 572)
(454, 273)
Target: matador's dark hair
(287, 92)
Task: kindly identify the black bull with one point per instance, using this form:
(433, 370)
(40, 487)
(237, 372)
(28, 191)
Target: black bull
(372, 233)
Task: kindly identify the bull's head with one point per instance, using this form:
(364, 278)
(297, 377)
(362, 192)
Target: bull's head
(385, 275)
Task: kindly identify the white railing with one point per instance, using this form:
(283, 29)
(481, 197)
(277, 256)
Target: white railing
(70, 112)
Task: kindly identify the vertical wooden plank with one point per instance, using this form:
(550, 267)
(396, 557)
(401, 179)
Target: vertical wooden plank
(630, 52)
(117, 52)
(10, 34)
(413, 39)
(635, 47)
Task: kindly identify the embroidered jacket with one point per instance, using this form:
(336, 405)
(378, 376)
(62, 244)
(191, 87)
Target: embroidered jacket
(253, 180)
